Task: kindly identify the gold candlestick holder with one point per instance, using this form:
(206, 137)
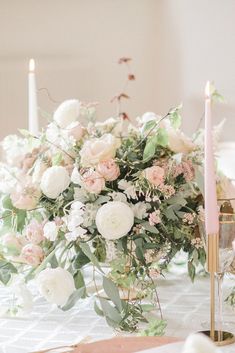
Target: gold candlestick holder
(220, 337)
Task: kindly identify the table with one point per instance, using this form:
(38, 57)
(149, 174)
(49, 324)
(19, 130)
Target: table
(185, 306)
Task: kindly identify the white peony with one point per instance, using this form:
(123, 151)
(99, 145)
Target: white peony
(114, 220)
(55, 285)
(198, 343)
(54, 181)
(67, 112)
(98, 149)
(50, 231)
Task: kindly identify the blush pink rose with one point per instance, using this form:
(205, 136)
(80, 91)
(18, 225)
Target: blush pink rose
(12, 242)
(93, 182)
(109, 169)
(34, 232)
(26, 195)
(155, 175)
(76, 130)
(32, 254)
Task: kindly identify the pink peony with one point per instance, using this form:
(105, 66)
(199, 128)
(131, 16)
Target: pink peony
(155, 175)
(34, 232)
(109, 169)
(154, 218)
(32, 254)
(26, 195)
(93, 182)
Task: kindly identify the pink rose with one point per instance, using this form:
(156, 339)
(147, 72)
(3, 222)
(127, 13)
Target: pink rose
(93, 182)
(34, 232)
(76, 130)
(155, 175)
(109, 169)
(11, 242)
(32, 254)
(26, 196)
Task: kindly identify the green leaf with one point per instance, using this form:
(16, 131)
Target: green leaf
(77, 294)
(110, 311)
(150, 148)
(6, 269)
(155, 328)
(150, 228)
(191, 270)
(162, 137)
(86, 249)
(6, 203)
(25, 132)
(80, 260)
(112, 292)
(57, 159)
(149, 125)
(175, 119)
(79, 281)
(98, 310)
(147, 307)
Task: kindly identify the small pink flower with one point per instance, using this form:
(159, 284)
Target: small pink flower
(93, 181)
(154, 218)
(32, 254)
(77, 131)
(26, 195)
(34, 232)
(167, 190)
(155, 175)
(188, 170)
(188, 218)
(109, 169)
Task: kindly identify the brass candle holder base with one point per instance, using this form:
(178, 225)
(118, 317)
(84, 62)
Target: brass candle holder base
(221, 338)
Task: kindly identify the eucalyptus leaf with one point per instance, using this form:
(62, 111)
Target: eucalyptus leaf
(77, 294)
(112, 292)
(150, 149)
(110, 311)
(87, 251)
(6, 269)
(98, 310)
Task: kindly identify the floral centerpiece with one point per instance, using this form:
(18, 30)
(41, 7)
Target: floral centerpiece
(84, 193)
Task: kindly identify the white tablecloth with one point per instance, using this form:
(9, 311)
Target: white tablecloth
(185, 307)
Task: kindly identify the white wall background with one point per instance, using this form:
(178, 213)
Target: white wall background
(176, 46)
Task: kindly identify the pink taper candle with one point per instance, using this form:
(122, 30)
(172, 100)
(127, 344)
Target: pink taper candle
(211, 208)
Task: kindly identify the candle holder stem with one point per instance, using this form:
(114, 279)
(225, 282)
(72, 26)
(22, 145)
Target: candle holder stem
(220, 337)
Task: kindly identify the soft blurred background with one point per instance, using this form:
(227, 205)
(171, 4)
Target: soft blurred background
(175, 45)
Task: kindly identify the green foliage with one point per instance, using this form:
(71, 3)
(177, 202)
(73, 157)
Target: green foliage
(175, 117)
(6, 270)
(87, 251)
(12, 216)
(77, 294)
(230, 300)
(155, 328)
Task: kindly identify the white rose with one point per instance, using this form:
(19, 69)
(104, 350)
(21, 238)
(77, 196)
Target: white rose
(54, 181)
(67, 112)
(98, 149)
(55, 285)
(114, 220)
(50, 231)
(179, 142)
